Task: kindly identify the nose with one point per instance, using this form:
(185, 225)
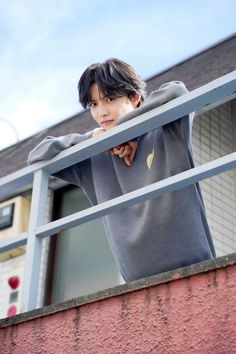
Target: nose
(102, 110)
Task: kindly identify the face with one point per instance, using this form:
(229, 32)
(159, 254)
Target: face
(106, 111)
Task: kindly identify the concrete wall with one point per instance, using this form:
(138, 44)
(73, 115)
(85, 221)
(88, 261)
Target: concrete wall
(190, 311)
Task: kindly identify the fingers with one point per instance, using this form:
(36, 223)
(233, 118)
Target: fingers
(129, 157)
(119, 149)
(127, 161)
(125, 151)
(133, 147)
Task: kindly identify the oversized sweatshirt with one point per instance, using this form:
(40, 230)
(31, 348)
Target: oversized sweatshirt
(161, 234)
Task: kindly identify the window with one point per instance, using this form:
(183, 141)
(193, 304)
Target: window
(83, 260)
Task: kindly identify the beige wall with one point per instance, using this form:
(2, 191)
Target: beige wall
(15, 266)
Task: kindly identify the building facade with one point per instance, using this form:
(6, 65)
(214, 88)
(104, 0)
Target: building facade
(78, 261)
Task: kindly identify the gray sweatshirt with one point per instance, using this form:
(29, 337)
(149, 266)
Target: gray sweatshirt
(162, 234)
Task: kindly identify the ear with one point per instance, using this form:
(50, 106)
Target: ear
(135, 99)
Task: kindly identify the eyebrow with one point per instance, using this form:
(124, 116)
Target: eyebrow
(91, 99)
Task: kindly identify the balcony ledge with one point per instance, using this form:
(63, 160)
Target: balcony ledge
(155, 280)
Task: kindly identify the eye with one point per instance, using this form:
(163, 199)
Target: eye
(110, 99)
(92, 104)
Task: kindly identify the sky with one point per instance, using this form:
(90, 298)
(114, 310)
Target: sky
(45, 45)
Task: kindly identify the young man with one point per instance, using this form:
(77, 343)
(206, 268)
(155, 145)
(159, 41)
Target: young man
(161, 234)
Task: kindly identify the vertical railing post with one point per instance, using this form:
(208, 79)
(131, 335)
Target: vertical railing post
(34, 243)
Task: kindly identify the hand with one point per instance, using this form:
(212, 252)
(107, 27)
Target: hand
(126, 151)
(97, 131)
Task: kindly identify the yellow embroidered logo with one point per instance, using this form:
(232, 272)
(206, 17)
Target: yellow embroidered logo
(150, 159)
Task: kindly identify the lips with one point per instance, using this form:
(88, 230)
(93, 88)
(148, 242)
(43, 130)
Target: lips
(107, 122)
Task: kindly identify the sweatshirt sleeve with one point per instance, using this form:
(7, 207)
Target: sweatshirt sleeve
(168, 92)
(164, 94)
(51, 146)
(181, 127)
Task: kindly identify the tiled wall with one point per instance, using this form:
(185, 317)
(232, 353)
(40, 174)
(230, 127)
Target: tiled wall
(213, 138)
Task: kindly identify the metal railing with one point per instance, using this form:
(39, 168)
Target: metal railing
(198, 100)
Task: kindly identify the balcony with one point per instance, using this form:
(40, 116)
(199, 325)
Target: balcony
(188, 310)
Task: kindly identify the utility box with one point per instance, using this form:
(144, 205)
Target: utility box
(14, 218)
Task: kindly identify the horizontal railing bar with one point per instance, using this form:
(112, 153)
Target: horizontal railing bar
(143, 194)
(12, 183)
(13, 242)
(151, 118)
(145, 119)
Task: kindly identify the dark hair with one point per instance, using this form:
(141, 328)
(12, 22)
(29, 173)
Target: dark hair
(113, 77)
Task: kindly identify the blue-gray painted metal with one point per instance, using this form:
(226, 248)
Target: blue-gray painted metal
(152, 119)
(34, 244)
(13, 242)
(141, 195)
(195, 100)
